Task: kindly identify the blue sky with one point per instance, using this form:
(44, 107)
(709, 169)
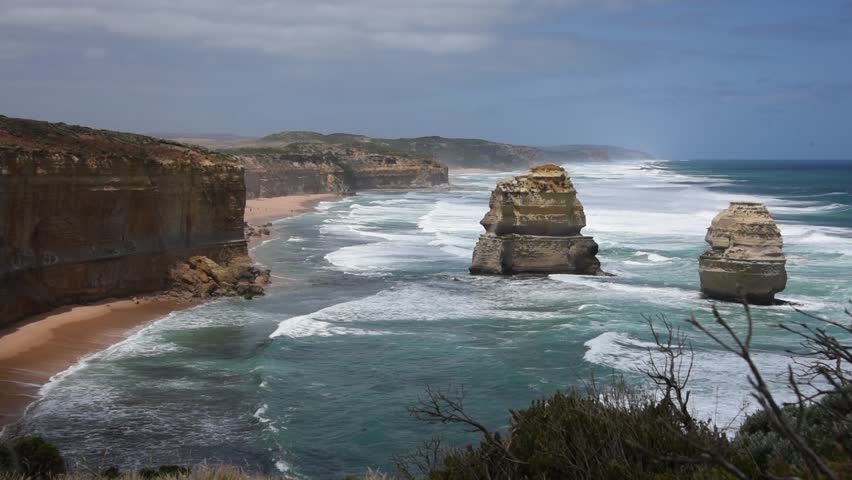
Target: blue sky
(678, 78)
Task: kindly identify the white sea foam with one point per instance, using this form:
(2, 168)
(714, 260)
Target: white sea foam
(653, 257)
(138, 343)
(421, 303)
(809, 208)
(282, 466)
(817, 239)
(719, 379)
(615, 287)
(454, 226)
(309, 326)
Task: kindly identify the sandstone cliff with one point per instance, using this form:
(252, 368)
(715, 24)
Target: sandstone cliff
(533, 226)
(323, 168)
(746, 257)
(87, 214)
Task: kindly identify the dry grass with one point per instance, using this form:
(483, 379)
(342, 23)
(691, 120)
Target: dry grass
(204, 472)
(198, 473)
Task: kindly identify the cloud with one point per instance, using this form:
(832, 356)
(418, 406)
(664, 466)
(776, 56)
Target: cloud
(10, 50)
(298, 27)
(94, 53)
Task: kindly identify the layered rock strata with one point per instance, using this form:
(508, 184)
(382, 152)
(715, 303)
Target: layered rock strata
(746, 256)
(533, 226)
(87, 214)
(320, 168)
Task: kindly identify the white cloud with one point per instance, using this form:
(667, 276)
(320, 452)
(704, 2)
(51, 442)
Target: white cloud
(296, 27)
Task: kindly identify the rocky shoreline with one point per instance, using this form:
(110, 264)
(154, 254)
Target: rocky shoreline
(106, 231)
(34, 350)
(88, 214)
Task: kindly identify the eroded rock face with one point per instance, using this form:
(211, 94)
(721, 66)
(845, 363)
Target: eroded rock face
(321, 168)
(87, 214)
(533, 226)
(746, 256)
(201, 277)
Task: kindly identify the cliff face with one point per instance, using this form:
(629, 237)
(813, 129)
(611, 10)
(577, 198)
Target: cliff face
(746, 257)
(320, 168)
(533, 226)
(87, 214)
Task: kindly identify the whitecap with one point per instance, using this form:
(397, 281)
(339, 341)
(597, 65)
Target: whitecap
(719, 379)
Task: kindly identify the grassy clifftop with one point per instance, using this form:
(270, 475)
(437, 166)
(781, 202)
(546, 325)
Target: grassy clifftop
(30, 135)
(453, 152)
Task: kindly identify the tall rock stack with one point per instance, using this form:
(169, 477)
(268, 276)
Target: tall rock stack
(746, 256)
(534, 226)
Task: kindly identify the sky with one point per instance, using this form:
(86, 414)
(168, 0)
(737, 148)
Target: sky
(677, 78)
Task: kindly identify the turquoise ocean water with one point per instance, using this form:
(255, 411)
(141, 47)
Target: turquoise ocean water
(373, 302)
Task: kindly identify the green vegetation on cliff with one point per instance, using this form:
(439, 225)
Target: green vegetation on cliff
(36, 135)
(454, 152)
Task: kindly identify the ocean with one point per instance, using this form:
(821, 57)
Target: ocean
(372, 302)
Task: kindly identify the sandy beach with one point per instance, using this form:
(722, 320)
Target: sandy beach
(262, 210)
(33, 351)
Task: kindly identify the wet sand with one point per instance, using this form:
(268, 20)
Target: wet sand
(33, 351)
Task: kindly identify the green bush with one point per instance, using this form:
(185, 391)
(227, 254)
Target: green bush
(577, 435)
(819, 427)
(7, 460)
(36, 458)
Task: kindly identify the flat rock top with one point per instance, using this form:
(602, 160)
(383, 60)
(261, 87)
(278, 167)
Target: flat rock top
(547, 178)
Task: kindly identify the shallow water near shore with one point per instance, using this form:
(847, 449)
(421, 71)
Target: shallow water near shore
(313, 379)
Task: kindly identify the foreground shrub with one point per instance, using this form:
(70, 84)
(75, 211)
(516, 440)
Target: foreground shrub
(591, 435)
(618, 433)
(34, 457)
(823, 425)
(164, 471)
(7, 462)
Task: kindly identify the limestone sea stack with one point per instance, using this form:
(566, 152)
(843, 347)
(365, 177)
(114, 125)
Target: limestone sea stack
(534, 226)
(746, 256)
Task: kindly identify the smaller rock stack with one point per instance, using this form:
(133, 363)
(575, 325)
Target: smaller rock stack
(746, 256)
(534, 227)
